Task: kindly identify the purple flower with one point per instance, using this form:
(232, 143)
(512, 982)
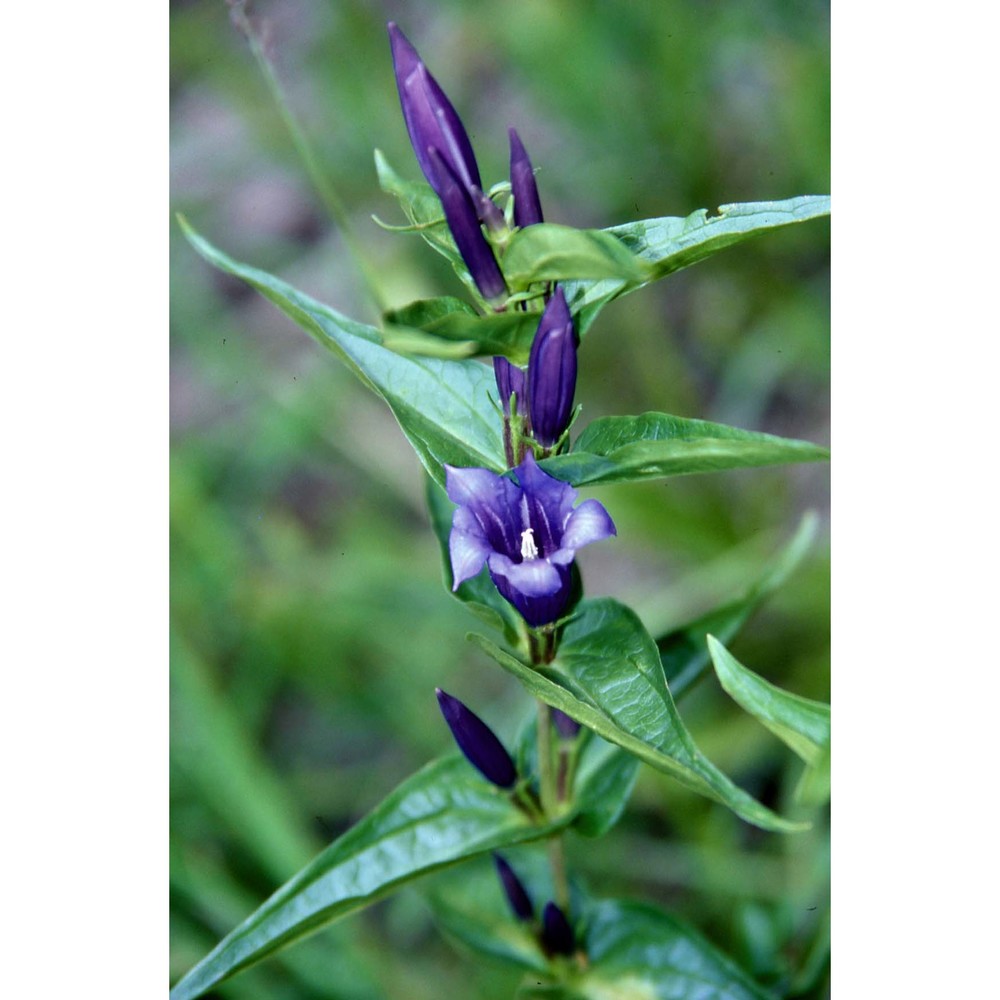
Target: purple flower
(477, 741)
(557, 935)
(527, 207)
(552, 372)
(464, 225)
(430, 118)
(510, 380)
(568, 728)
(527, 533)
(517, 895)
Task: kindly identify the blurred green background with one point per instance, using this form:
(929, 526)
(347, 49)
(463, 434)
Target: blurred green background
(310, 626)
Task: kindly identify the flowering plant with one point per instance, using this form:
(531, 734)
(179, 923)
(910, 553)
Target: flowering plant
(503, 472)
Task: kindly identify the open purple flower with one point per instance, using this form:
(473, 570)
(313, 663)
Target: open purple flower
(527, 533)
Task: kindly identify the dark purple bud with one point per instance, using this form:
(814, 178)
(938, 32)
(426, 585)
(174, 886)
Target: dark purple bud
(478, 742)
(568, 728)
(552, 372)
(510, 379)
(430, 118)
(517, 895)
(527, 207)
(557, 935)
(463, 221)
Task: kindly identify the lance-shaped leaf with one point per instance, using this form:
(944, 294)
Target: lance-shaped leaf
(444, 813)
(607, 675)
(443, 407)
(655, 445)
(801, 723)
(670, 243)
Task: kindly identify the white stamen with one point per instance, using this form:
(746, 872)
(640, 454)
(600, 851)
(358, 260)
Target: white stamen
(528, 548)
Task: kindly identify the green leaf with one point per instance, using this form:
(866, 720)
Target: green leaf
(604, 781)
(443, 407)
(607, 675)
(637, 952)
(442, 814)
(684, 651)
(801, 723)
(470, 906)
(451, 327)
(423, 208)
(654, 445)
(548, 252)
(670, 243)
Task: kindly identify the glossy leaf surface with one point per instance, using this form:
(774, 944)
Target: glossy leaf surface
(801, 723)
(607, 675)
(670, 243)
(654, 445)
(444, 813)
(443, 407)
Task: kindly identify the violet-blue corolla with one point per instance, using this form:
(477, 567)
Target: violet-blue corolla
(527, 206)
(433, 123)
(482, 749)
(527, 533)
(552, 372)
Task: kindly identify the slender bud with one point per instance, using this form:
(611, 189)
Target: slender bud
(557, 935)
(430, 118)
(552, 372)
(510, 380)
(463, 221)
(517, 895)
(568, 728)
(527, 207)
(478, 742)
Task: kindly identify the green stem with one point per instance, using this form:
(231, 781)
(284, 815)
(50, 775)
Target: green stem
(327, 193)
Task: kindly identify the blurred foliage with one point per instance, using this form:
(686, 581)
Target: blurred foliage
(310, 627)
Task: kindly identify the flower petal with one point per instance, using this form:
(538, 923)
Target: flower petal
(494, 500)
(590, 522)
(467, 545)
(533, 577)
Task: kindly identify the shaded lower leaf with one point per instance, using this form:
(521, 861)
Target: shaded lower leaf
(654, 445)
(801, 723)
(607, 675)
(442, 814)
(684, 650)
(443, 407)
(637, 952)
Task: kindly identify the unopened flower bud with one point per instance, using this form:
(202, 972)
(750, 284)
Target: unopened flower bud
(527, 207)
(430, 118)
(557, 935)
(463, 221)
(552, 372)
(517, 895)
(568, 728)
(478, 742)
(510, 380)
